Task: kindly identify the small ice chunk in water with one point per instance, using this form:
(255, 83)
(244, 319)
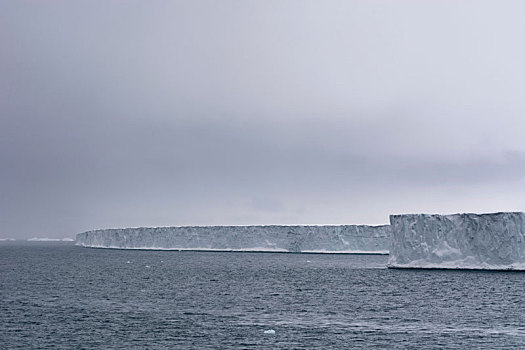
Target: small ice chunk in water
(269, 331)
(147, 266)
(128, 262)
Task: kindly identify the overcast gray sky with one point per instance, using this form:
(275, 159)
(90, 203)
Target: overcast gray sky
(160, 113)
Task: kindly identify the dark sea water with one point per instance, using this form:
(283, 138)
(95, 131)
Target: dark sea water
(54, 295)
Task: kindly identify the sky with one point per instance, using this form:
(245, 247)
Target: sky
(169, 113)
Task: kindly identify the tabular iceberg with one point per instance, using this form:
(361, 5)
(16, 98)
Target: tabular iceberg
(460, 241)
(299, 239)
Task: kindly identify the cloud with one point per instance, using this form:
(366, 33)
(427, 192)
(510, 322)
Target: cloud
(268, 112)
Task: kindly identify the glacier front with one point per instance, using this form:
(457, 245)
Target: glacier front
(459, 241)
(298, 239)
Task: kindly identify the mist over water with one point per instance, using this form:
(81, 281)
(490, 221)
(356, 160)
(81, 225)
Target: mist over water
(58, 296)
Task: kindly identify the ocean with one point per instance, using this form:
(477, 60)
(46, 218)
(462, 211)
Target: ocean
(54, 295)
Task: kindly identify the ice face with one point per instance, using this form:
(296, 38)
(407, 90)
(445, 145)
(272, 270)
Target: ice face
(318, 239)
(459, 241)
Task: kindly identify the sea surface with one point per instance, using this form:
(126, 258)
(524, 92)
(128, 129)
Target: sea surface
(54, 295)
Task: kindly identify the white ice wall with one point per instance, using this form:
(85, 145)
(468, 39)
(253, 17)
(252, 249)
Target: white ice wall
(321, 239)
(464, 241)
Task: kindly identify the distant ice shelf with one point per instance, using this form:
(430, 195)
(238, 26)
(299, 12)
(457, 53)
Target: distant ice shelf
(45, 239)
(459, 241)
(358, 239)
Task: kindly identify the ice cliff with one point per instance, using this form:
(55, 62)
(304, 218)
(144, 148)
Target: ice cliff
(305, 239)
(460, 241)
